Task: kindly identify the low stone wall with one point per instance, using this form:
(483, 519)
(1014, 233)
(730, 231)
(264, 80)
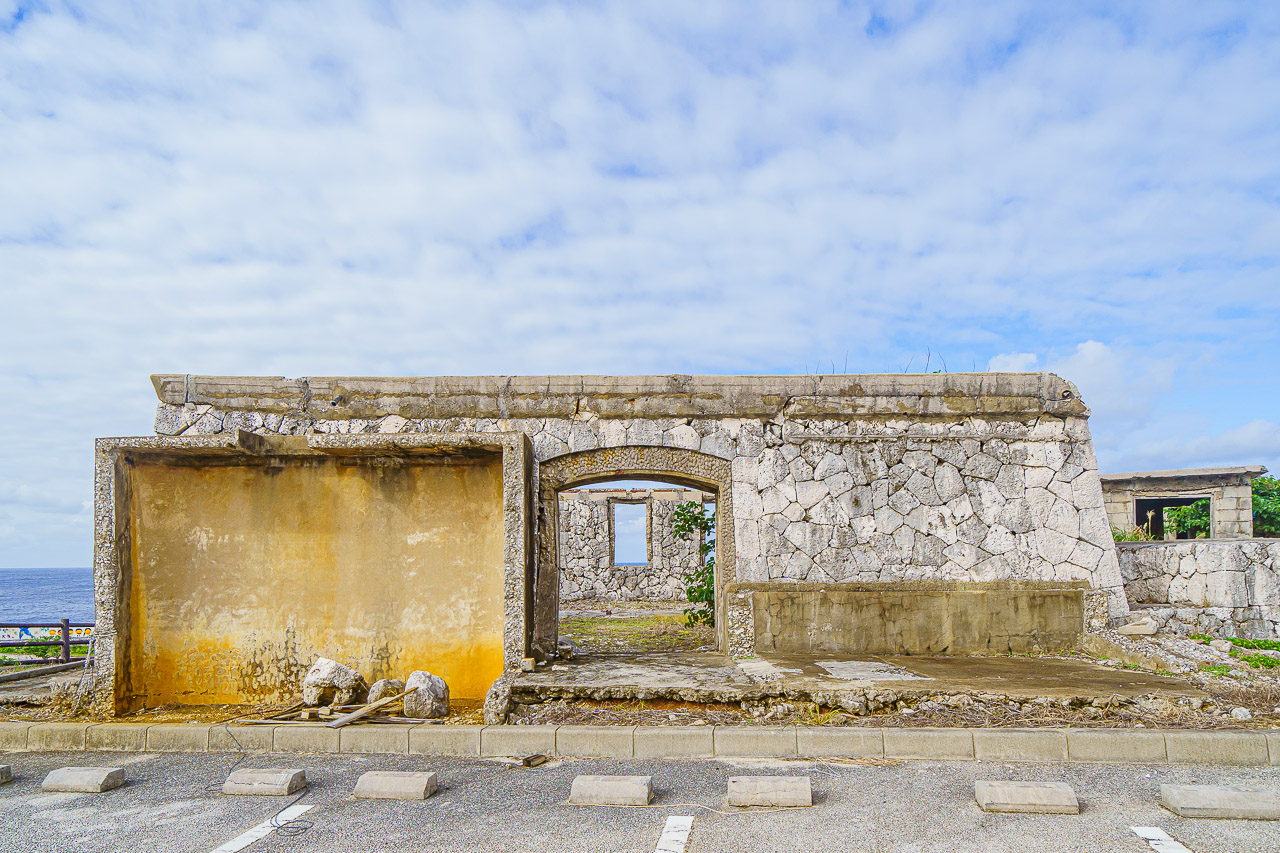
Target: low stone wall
(925, 617)
(1224, 588)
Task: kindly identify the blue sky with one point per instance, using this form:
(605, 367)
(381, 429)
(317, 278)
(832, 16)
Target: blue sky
(436, 188)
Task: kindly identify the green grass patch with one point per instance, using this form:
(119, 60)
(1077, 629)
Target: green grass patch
(41, 651)
(659, 632)
(1215, 669)
(1256, 661)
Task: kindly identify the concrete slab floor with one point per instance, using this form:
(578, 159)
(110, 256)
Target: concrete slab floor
(715, 674)
(171, 803)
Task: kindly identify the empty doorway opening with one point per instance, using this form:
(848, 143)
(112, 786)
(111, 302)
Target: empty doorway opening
(626, 567)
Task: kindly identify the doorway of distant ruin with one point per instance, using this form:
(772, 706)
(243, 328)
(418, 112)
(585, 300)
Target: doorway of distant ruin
(613, 573)
(626, 565)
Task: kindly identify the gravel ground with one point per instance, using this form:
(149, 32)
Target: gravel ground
(171, 803)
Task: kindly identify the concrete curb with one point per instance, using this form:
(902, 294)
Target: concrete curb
(1256, 747)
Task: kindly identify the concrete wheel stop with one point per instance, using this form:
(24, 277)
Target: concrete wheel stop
(83, 780)
(778, 791)
(395, 785)
(1219, 801)
(611, 791)
(265, 781)
(6, 773)
(1026, 797)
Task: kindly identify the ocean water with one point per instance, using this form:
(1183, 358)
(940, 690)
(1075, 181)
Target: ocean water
(46, 595)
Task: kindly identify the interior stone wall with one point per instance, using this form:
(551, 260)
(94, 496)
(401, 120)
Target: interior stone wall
(832, 479)
(588, 566)
(1225, 588)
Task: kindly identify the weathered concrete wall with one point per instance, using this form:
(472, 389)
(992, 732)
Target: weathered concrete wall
(1222, 588)
(588, 541)
(224, 568)
(966, 477)
(243, 576)
(924, 618)
(1230, 498)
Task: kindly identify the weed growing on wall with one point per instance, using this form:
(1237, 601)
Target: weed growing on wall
(691, 520)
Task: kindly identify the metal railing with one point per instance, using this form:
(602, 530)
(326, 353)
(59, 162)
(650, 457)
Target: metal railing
(64, 627)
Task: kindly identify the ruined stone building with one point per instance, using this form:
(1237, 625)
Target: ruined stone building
(399, 524)
(1138, 498)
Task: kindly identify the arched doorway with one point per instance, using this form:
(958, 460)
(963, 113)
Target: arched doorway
(668, 464)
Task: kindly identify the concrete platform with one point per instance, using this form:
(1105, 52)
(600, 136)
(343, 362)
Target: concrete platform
(83, 780)
(713, 677)
(1220, 801)
(1025, 797)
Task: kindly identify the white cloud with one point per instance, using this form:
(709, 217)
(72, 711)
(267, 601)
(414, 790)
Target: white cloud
(328, 188)
(1013, 362)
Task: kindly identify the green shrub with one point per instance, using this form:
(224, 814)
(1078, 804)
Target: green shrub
(692, 520)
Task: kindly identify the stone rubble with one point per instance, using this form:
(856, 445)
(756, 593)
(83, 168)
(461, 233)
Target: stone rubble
(430, 700)
(328, 682)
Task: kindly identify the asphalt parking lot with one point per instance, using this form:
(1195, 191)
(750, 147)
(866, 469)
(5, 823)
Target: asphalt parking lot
(172, 803)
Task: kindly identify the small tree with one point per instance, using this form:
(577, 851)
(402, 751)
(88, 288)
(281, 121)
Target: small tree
(1266, 507)
(691, 520)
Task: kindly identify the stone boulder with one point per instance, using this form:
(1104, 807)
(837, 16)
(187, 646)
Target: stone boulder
(330, 683)
(430, 701)
(384, 687)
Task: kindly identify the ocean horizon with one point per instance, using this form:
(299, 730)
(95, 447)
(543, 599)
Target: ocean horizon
(46, 595)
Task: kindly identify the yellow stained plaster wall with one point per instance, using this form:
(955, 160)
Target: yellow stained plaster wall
(243, 575)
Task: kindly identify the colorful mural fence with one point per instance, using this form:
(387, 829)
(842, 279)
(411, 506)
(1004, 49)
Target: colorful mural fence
(78, 633)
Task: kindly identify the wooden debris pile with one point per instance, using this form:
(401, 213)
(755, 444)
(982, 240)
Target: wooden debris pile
(389, 709)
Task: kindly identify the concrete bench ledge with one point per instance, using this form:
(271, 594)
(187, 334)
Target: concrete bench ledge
(1254, 747)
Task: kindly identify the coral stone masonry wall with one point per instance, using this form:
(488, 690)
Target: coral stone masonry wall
(588, 567)
(1221, 588)
(965, 477)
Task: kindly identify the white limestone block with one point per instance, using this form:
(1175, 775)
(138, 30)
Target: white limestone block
(1220, 801)
(1026, 797)
(775, 791)
(395, 785)
(83, 780)
(265, 781)
(611, 791)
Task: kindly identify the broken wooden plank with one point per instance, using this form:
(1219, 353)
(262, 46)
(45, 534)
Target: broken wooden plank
(347, 719)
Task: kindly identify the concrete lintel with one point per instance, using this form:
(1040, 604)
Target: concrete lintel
(851, 395)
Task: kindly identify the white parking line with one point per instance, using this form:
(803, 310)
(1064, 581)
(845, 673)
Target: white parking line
(674, 835)
(1158, 839)
(263, 829)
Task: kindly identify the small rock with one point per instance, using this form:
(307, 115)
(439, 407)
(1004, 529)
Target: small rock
(497, 702)
(1223, 646)
(328, 682)
(430, 701)
(1144, 627)
(384, 687)
(1241, 714)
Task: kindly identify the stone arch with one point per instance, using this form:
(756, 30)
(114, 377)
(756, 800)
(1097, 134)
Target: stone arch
(671, 464)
